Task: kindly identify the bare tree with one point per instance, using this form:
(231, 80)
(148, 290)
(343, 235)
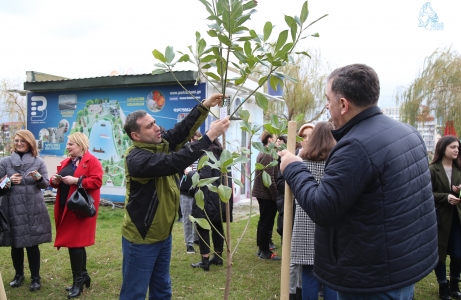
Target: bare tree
(436, 90)
(13, 106)
(306, 96)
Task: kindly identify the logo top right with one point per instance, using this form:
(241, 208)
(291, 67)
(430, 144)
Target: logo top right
(428, 19)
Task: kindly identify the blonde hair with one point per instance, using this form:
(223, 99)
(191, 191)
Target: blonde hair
(81, 140)
(30, 139)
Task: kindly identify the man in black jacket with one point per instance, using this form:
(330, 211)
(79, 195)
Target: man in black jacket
(152, 165)
(376, 230)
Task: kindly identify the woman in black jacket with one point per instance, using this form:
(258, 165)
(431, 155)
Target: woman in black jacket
(214, 212)
(446, 180)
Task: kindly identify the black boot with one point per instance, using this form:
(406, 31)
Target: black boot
(204, 264)
(444, 291)
(17, 280)
(216, 259)
(76, 264)
(86, 280)
(454, 288)
(86, 276)
(35, 283)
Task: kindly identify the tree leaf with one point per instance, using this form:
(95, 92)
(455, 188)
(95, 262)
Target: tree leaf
(211, 156)
(272, 164)
(237, 182)
(207, 6)
(225, 156)
(158, 55)
(195, 179)
(275, 81)
(224, 193)
(249, 5)
(184, 58)
(266, 179)
(205, 181)
(212, 188)
(224, 39)
(213, 75)
(258, 146)
(200, 47)
(169, 54)
(304, 13)
(283, 36)
(244, 114)
(158, 71)
(290, 21)
(207, 58)
(304, 53)
(212, 33)
(200, 221)
(262, 101)
(259, 166)
(202, 161)
(267, 30)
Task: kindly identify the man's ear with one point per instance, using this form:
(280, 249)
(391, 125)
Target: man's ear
(135, 136)
(345, 105)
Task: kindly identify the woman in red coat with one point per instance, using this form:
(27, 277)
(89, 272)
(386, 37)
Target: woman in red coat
(71, 231)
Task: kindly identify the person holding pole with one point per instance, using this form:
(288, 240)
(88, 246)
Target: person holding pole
(376, 228)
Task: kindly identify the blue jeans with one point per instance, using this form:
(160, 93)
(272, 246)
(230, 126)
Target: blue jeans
(405, 293)
(311, 286)
(146, 266)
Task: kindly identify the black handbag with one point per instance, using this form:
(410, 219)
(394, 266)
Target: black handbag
(81, 203)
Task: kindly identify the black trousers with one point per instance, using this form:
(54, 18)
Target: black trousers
(267, 212)
(216, 235)
(33, 255)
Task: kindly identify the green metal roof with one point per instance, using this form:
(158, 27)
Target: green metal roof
(110, 81)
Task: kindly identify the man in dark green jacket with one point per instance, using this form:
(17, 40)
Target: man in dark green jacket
(152, 165)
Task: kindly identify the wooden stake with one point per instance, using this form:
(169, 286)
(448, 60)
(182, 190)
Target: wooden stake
(2, 289)
(287, 222)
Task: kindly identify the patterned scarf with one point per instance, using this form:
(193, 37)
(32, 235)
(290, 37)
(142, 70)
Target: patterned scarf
(74, 162)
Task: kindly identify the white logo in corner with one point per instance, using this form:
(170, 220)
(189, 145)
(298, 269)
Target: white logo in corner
(428, 18)
(38, 108)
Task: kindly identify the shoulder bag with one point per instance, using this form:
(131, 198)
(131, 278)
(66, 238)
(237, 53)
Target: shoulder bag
(81, 203)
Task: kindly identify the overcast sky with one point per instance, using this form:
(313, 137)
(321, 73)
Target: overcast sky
(85, 38)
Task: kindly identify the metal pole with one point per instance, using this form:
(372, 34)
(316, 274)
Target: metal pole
(287, 222)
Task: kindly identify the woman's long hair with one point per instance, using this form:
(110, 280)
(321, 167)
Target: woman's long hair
(320, 143)
(30, 139)
(442, 144)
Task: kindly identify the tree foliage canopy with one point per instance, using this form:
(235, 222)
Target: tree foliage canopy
(436, 90)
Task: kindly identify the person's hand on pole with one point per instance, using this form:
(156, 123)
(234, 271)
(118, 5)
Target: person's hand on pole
(287, 158)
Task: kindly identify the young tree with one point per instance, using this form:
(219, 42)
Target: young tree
(436, 90)
(12, 104)
(236, 45)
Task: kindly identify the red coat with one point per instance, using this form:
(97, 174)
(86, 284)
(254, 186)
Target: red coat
(72, 231)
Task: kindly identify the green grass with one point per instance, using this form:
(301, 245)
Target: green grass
(252, 277)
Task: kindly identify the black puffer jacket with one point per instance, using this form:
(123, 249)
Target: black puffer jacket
(376, 224)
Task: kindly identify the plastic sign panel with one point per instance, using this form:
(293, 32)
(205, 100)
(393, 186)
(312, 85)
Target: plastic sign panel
(100, 114)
